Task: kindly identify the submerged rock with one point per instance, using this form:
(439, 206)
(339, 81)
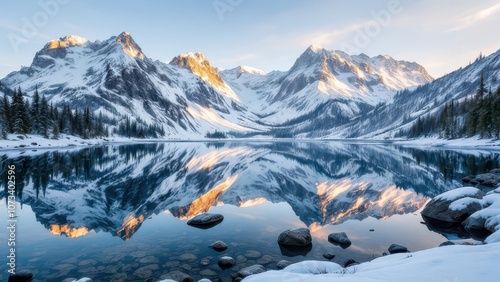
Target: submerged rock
(252, 254)
(283, 263)
(21, 276)
(328, 256)
(251, 270)
(295, 237)
(206, 220)
(226, 262)
(396, 249)
(205, 262)
(178, 276)
(219, 246)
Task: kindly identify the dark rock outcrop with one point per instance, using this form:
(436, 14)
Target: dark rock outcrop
(439, 207)
(340, 239)
(396, 249)
(295, 237)
(206, 220)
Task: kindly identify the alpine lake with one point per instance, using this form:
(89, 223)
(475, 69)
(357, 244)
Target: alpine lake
(119, 212)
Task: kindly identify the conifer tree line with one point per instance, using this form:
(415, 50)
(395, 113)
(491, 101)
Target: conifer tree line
(475, 116)
(18, 116)
(139, 129)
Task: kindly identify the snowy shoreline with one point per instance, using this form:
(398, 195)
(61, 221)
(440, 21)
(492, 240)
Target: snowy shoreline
(449, 263)
(36, 142)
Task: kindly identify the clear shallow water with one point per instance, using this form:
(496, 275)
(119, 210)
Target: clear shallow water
(119, 213)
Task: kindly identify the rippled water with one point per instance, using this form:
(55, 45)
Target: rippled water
(119, 212)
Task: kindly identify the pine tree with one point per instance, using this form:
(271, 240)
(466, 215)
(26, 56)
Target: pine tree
(3, 121)
(35, 112)
(55, 130)
(8, 113)
(44, 118)
(26, 117)
(495, 114)
(20, 114)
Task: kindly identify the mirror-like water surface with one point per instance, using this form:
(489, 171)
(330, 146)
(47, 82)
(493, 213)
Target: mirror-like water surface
(119, 212)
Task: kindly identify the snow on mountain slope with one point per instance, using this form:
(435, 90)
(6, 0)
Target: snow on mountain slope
(115, 78)
(386, 120)
(325, 88)
(189, 97)
(199, 65)
(334, 74)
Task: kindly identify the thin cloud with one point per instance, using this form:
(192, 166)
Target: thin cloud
(331, 37)
(8, 25)
(237, 59)
(477, 17)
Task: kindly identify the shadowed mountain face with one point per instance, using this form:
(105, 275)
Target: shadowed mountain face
(116, 188)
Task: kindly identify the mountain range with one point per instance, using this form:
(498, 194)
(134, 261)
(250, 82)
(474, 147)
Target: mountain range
(324, 94)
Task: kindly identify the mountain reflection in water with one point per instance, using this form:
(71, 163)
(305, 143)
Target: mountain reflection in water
(116, 188)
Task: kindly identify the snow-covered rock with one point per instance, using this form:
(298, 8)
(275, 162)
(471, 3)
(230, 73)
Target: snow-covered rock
(454, 206)
(479, 214)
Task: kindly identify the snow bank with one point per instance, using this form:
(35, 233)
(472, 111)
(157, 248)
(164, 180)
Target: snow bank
(450, 263)
(457, 194)
(471, 142)
(463, 203)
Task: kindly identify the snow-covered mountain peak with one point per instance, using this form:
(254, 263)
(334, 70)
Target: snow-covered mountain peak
(198, 57)
(129, 46)
(250, 70)
(315, 48)
(198, 64)
(65, 42)
(237, 72)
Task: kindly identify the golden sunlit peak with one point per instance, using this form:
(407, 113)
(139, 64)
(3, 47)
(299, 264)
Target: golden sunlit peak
(252, 202)
(315, 226)
(70, 232)
(209, 199)
(65, 42)
(130, 226)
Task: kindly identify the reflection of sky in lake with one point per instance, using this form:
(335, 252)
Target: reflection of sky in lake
(151, 190)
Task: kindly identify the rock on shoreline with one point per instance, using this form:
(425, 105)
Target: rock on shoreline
(468, 207)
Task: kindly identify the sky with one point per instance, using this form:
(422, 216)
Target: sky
(266, 34)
